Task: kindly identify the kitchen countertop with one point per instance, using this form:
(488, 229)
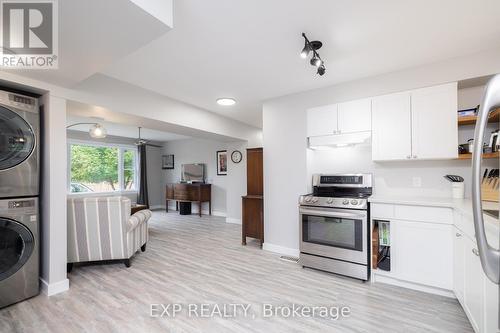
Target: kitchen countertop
(463, 206)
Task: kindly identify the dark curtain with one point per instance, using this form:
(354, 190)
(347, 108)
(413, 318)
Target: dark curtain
(142, 197)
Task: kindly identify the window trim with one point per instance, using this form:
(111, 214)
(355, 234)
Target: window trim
(121, 148)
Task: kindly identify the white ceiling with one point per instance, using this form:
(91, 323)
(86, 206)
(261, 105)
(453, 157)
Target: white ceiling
(249, 49)
(95, 33)
(122, 130)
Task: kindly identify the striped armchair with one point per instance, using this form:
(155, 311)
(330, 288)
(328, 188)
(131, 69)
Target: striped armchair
(101, 228)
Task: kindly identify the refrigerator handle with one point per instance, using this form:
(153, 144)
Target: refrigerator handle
(490, 257)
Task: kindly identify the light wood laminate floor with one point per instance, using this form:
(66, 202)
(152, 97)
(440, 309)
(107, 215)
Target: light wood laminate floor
(200, 260)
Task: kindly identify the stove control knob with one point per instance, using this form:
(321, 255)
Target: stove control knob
(307, 199)
(345, 202)
(354, 202)
(329, 201)
(314, 200)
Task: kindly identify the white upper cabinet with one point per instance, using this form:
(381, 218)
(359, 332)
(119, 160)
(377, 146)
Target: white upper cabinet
(434, 122)
(418, 124)
(355, 116)
(322, 120)
(391, 127)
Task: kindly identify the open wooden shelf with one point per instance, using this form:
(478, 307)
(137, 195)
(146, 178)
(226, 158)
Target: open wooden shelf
(493, 117)
(487, 155)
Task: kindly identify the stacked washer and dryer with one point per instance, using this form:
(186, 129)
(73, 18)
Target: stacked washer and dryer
(19, 197)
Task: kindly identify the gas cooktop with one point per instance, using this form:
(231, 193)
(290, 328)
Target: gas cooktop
(339, 191)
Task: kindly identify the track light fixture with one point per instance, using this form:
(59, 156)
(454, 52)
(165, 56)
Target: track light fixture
(316, 59)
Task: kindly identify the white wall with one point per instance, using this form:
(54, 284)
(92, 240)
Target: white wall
(288, 164)
(53, 224)
(226, 190)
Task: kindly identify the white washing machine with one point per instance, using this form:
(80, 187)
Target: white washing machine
(19, 145)
(19, 250)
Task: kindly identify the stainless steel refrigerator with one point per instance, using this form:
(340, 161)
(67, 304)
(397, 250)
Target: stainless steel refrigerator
(489, 256)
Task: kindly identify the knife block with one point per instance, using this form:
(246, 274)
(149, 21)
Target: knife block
(489, 192)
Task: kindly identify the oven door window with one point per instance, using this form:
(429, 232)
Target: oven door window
(338, 232)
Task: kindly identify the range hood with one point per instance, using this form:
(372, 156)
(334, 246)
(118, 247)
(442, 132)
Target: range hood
(339, 140)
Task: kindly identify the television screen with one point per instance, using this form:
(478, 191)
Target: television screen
(193, 173)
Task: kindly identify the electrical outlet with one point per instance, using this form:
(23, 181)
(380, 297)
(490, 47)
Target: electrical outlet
(417, 182)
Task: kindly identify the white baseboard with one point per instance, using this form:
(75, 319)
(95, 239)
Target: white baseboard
(214, 213)
(234, 221)
(54, 288)
(410, 285)
(281, 249)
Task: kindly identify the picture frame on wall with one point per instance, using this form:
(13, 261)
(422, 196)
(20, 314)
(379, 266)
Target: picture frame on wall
(221, 161)
(167, 162)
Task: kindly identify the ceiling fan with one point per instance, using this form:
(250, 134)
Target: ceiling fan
(142, 142)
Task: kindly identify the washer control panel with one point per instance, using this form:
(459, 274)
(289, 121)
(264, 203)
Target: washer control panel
(21, 204)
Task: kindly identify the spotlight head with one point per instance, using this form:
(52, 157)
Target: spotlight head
(305, 51)
(315, 61)
(321, 70)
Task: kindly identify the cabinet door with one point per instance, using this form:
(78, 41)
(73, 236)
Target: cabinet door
(473, 291)
(458, 264)
(322, 120)
(422, 253)
(434, 122)
(355, 116)
(391, 127)
(491, 323)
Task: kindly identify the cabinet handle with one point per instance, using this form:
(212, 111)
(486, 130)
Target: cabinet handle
(414, 156)
(476, 252)
(408, 157)
(458, 235)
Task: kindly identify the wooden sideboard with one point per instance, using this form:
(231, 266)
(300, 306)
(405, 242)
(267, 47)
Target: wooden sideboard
(253, 202)
(183, 192)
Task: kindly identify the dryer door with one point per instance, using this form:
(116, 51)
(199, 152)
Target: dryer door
(16, 246)
(17, 139)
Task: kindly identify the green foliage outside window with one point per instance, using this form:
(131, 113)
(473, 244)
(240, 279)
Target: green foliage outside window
(94, 165)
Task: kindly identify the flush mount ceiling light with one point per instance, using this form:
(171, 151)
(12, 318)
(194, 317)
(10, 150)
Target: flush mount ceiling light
(316, 59)
(226, 101)
(96, 131)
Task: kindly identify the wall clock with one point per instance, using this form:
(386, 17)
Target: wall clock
(236, 156)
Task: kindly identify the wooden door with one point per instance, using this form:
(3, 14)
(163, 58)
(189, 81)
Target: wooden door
(255, 175)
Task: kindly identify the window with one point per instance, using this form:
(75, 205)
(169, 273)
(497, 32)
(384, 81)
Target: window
(101, 168)
(129, 166)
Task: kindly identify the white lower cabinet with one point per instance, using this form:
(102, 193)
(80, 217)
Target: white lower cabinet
(473, 285)
(477, 294)
(458, 264)
(434, 247)
(422, 253)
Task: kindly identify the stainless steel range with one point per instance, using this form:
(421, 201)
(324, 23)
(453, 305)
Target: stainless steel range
(334, 225)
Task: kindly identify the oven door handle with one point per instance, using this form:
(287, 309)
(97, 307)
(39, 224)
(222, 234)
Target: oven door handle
(330, 213)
